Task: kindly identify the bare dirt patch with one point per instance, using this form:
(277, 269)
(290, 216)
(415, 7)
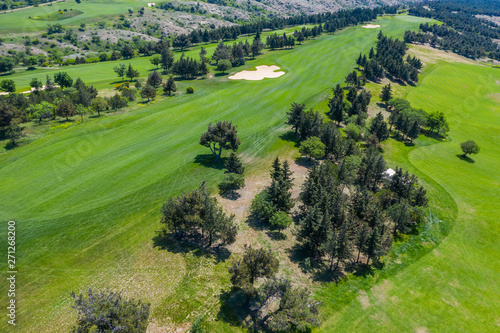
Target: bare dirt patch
(261, 73)
(252, 234)
(364, 300)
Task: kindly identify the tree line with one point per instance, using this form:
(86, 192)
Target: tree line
(389, 58)
(462, 32)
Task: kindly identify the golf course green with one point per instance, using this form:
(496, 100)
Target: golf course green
(86, 200)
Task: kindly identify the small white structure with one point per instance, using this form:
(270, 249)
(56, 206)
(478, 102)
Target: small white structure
(389, 173)
(151, 4)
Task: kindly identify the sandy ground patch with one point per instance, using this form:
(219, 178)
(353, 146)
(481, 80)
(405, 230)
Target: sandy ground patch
(261, 73)
(429, 55)
(371, 26)
(363, 299)
(257, 236)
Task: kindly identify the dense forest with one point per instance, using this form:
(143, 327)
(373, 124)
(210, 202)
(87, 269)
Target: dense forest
(462, 31)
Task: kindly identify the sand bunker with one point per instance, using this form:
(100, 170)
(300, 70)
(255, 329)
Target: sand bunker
(371, 26)
(261, 73)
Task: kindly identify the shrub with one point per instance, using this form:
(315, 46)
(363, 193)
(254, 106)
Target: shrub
(190, 90)
(262, 207)
(313, 148)
(231, 182)
(280, 220)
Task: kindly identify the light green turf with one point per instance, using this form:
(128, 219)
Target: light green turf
(454, 288)
(93, 10)
(87, 199)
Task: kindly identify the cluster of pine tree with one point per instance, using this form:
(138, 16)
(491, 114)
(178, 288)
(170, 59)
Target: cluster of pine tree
(310, 124)
(235, 53)
(273, 204)
(280, 42)
(389, 58)
(331, 22)
(470, 45)
(198, 215)
(306, 33)
(187, 67)
(339, 228)
(462, 32)
(353, 107)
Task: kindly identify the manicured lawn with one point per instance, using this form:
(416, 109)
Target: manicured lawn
(455, 287)
(93, 11)
(87, 199)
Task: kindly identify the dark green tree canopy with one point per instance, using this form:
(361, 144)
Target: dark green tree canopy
(469, 147)
(108, 311)
(222, 135)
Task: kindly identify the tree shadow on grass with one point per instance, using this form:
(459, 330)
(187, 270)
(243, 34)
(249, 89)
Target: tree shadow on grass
(290, 137)
(276, 235)
(232, 309)
(190, 243)
(305, 162)
(465, 158)
(208, 161)
(255, 223)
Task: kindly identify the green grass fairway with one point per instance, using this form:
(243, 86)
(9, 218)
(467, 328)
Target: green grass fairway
(456, 287)
(58, 16)
(95, 10)
(87, 199)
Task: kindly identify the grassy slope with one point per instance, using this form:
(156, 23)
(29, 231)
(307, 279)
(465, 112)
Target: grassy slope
(455, 287)
(87, 199)
(19, 21)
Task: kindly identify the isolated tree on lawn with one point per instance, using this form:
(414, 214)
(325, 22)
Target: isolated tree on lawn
(108, 311)
(253, 264)
(155, 60)
(131, 73)
(148, 92)
(63, 80)
(169, 87)
(469, 147)
(386, 94)
(222, 135)
(120, 70)
(154, 79)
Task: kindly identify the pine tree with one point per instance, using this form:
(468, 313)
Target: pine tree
(234, 165)
(386, 94)
(295, 116)
(154, 79)
(414, 131)
(132, 73)
(169, 87)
